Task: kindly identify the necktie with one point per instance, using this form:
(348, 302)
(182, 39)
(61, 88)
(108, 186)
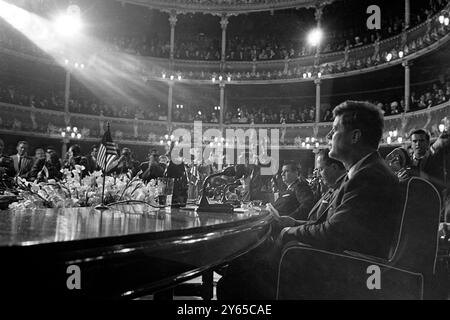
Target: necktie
(20, 164)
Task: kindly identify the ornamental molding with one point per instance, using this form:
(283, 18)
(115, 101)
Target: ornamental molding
(219, 7)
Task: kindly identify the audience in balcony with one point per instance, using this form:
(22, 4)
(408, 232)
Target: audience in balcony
(239, 47)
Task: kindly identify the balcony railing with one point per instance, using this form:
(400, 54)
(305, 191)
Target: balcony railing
(27, 121)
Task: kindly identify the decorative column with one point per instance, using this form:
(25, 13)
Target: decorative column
(406, 65)
(173, 21)
(222, 104)
(67, 92)
(317, 83)
(223, 24)
(318, 15)
(407, 13)
(169, 103)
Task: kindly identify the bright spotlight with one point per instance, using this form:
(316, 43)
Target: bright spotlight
(304, 76)
(315, 37)
(389, 57)
(67, 25)
(446, 21)
(441, 19)
(401, 54)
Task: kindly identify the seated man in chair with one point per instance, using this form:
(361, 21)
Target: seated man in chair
(363, 214)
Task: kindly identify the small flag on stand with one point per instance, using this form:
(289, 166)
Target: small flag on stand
(107, 154)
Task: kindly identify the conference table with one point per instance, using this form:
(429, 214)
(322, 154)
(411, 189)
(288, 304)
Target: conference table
(124, 252)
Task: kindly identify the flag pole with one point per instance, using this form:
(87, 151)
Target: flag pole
(103, 206)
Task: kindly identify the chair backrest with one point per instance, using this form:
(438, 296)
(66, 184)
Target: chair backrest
(417, 242)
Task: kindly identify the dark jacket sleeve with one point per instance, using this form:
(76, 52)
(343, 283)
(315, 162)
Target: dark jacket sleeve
(37, 166)
(364, 221)
(305, 197)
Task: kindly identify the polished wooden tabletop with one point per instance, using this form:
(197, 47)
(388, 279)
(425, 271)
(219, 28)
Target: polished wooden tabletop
(123, 252)
(39, 226)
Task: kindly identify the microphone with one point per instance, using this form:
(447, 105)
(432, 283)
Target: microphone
(204, 205)
(235, 183)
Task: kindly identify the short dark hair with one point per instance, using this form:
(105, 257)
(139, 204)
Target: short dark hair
(329, 161)
(363, 116)
(292, 165)
(420, 131)
(22, 142)
(76, 150)
(50, 148)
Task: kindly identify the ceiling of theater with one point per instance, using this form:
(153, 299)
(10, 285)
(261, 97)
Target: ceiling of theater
(225, 6)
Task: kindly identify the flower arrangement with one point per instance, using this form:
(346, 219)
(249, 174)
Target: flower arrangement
(74, 191)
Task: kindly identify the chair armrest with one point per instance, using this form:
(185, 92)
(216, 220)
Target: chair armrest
(367, 257)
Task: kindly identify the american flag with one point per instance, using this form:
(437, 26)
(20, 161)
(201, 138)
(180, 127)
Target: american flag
(107, 152)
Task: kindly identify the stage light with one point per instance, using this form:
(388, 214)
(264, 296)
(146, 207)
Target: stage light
(213, 79)
(446, 21)
(401, 54)
(304, 76)
(315, 37)
(72, 134)
(441, 19)
(68, 25)
(66, 61)
(179, 77)
(171, 77)
(220, 78)
(319, 75)
(229, 79)
(389, 140)
(309, 74)
(389, 57)
(400, 139)
(163, 75)
(441, 128)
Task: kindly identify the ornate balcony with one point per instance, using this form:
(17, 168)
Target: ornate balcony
(218, 7)
(27, 121)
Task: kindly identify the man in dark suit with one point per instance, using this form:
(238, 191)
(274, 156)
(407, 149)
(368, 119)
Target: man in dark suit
(92, 159)
(21, 161)
(297, 199)
(151, 169)
(363, 214)
(429, 161)
(126, 163)
(74, 158)
(47, 168)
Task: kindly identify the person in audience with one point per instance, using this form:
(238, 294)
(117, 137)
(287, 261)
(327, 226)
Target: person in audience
(92, 159)
(39, 153)
(431, 162)
(363, 215)
(151, 169)
(6, 163)
(297, 199)
(126, 163)
(22, 162)
(74, 158)
(47, 168)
